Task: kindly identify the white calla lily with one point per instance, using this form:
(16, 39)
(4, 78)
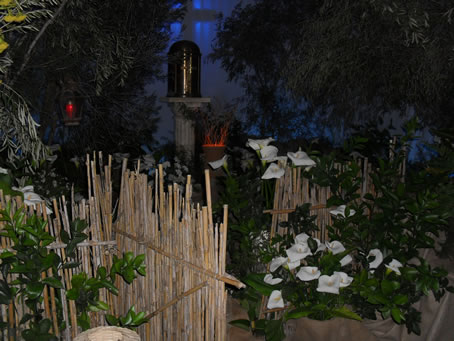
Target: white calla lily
(394, 265)
(259, 144)
(378, 258)
(346, 260)
(292, 265)
(270, 280)
(275, 300)
(273, 172)
(308, 273)
(340, 211)
(3, 170)
(218, 163)
(301, 238)
(335, 247)
(268, 153)
(277, 262)
(297, 252)
(330, 284)
(300, 158)
(345, 280)
(30, 197)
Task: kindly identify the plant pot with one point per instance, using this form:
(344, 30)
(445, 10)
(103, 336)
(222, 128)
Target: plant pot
(337, 329)
(108, 334)
(213, 152)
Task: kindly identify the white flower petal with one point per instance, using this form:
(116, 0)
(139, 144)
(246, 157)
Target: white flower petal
(270, 280)
(268, 153)
(3, 170)
(308, 273)
(297, 252)
(300, 158)
(218, 163)
(346, 260)
(273, 172)
(277, 262)
(340, 211)
(330, 284)
(259, 144)
(292, 265)
(378, 258)
(394, 266)
(345, 280)
(301, 238)
(335, 247)
(275, 300)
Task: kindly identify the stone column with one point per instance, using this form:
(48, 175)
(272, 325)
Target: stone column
(184, 130)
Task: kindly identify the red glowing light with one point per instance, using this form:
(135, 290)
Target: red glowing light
(69, 108)
(216, 136)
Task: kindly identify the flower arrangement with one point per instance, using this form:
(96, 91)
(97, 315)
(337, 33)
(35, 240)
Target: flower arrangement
(372, 264)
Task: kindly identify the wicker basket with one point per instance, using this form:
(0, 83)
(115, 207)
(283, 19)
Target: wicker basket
(108, 334)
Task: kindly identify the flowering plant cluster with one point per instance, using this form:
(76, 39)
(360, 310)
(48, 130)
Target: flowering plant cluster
(372, 263)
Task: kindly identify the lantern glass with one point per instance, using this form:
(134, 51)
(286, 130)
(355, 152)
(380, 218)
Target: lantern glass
(71, 108)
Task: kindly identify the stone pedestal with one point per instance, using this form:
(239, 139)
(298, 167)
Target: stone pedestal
(184, 131)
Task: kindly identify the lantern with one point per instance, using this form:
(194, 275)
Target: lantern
(71, 108)
(184, 70)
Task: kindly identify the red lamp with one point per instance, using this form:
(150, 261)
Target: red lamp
(71, 105)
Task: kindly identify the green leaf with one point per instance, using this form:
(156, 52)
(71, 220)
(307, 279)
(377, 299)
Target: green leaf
(388, 287)
(34, 289)
(128, 257)
(243, 324)
(102, 305)
(44, 326)
(111, 320)
(78, 280)
(274, 330)
(256, 281)
(138, 261)
(346, 313)
(297, 313)
(400, 299)
(53, 282)
(397, 315)
(72, 294)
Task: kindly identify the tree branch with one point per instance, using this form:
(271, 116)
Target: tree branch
(35, 41)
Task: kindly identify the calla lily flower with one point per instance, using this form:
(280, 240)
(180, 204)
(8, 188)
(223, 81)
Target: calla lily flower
(273, 172)
(300, 158)
(330, 284)
(270, 280)
(301, 238)
(277, 262)
(340, 211)
(335, 247)
(259, 144)
(378, 258)
(292, 265)
(308, 273)
(218, 163)
(30, 197)
(268, 153)
(275, 300)
(298, 252)
(394, 266)
(3, 171)
(345, 280)
(346, 260)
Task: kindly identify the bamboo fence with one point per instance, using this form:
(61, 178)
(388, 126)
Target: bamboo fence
(183, 291)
